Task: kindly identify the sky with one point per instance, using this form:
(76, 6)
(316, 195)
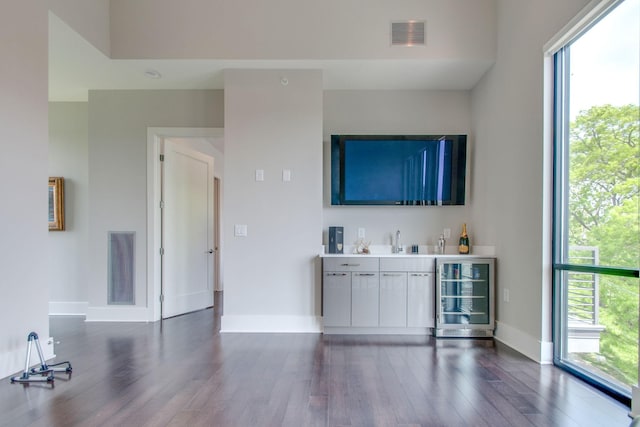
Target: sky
(605, 61)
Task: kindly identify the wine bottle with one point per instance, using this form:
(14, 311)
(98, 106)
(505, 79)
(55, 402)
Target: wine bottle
(463, 246)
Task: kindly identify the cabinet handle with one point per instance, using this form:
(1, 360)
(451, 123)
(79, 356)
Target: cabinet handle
(365, 274)
(349, 265)
(336, 274)
(391, 274)
(421, 274)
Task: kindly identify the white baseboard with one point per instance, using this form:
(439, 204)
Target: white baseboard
(274, 324)
(330, 330)
(12, 362)
(68, 308)
(118, 314)
(533, 348)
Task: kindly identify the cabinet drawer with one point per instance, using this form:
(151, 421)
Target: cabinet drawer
(350, 264)
(407, 264)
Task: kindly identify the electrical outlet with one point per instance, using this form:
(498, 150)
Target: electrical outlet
(505, 295)
(361, 233)
(447, 233)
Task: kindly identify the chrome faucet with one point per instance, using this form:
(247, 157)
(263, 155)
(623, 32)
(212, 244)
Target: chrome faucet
(396, 247)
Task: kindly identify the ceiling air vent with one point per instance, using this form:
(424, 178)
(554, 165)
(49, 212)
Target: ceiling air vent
(407, 33)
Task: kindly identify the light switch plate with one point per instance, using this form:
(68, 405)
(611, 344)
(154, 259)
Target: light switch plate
(286, 175)
(259, 174)
(361, 233)
(240, 230)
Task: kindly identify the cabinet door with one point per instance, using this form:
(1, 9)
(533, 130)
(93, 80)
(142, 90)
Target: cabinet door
(421, 300)
(479, 306)
(336, 299)
(393, 299)
(365, 299)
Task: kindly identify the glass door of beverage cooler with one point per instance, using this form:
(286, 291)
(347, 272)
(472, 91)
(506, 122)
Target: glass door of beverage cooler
(465, 298)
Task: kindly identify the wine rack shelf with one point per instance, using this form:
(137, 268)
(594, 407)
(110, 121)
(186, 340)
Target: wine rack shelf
(465, 297)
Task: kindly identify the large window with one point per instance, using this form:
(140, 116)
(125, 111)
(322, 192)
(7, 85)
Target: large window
(596, 215)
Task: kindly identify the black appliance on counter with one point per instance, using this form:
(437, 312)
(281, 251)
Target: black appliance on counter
(336, 240)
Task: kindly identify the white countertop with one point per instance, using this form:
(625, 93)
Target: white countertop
(404, 255)
(384, 251)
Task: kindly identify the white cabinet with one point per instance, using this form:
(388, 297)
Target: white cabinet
(360, 264)
(393, 299)
(365, 298)
(413, 300)
(408, 295)
(407, 299)
(350, 291)
(336, 298)
(378, 294)
(420, 300)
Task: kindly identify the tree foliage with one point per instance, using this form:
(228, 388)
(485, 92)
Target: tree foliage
(604, 213)
(604, 155)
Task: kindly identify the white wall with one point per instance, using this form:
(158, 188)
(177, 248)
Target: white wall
(23, 174)
(88, 18)
(399, 112)
(271, 276)
(294, 29)
(67, 250)
(507, 111)
(118, 122)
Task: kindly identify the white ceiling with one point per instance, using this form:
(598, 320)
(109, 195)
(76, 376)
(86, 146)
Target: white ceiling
(75, 67)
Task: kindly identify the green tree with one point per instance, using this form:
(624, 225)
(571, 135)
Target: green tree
(604, 155)
(604, 213)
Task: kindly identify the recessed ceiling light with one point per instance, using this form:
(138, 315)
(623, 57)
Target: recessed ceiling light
(152, 74)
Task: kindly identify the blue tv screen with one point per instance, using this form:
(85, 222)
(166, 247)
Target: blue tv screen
(417, 170)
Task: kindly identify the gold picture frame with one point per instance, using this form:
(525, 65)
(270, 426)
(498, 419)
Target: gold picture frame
(56, 203)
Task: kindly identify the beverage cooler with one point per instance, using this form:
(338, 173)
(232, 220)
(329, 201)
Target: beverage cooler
(464, 297)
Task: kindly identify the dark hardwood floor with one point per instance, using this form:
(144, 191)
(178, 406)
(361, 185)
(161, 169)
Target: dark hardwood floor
(183, 372)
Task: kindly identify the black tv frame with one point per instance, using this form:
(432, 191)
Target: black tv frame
(458, 182)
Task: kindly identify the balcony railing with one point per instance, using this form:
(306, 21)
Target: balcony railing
(583, 302)
(582, 289)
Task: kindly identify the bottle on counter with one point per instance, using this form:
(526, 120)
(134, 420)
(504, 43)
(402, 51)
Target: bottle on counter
(441, 243)
(463, 246)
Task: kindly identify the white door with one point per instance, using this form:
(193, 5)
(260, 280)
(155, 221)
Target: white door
(187, 230)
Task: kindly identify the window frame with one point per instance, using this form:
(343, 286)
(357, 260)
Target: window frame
(559, 50)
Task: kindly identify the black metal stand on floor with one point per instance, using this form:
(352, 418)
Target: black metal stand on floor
(45, 373)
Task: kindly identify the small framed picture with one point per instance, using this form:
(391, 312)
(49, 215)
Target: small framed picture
(56, 203)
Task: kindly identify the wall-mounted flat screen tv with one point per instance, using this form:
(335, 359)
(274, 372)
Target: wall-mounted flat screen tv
(420, 170)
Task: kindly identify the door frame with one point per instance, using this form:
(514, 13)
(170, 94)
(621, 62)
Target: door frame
(217, 241)
(155, 135)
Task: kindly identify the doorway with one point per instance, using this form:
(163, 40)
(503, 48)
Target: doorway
(187, 253)
(199, 139)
